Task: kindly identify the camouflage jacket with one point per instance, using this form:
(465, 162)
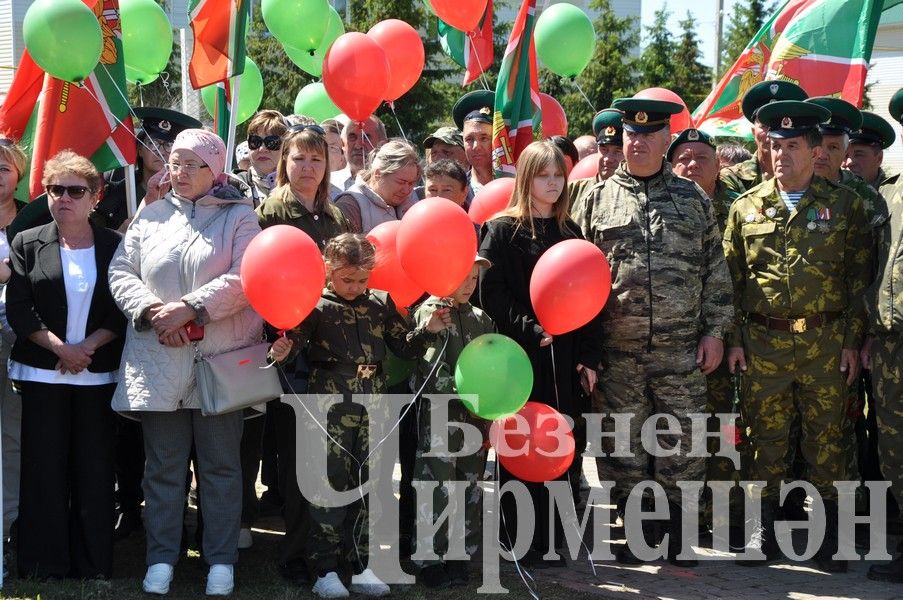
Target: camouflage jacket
(797, 264)
(670, 284)
(884, 300)
(468, 323)
(282, 208)
(873, 203)
(579, 188)
(740, 178)
(721, 203)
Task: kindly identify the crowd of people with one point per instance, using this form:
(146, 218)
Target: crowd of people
(780, 265)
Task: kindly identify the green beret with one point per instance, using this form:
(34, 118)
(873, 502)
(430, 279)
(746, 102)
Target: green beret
(769, 91)
(474, 106)
(689, 136)
(845, 118)
(645, 115)
(875, 131)
(163, 123)
(895, 108)
(607, 127)
(791, 118)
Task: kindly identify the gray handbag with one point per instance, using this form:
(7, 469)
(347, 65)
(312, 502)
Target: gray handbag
(235, 380)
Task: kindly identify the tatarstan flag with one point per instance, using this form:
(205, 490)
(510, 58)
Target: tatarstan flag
(219, 28)
(91, 118)
(516, 94)
(824, 46)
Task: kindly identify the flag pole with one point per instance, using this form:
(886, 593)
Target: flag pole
(131, 192)
(235, 85)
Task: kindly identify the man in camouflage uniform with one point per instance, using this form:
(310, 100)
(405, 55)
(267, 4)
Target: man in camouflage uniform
(467, 323)
(884, 351)
(609, 131)
(798, 250)
(866, 152)
(669, 305)
(750, 173)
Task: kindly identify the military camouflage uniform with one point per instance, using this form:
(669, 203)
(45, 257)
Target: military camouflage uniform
(742, 177)
(468, 323)
(670, 287)
(338, 337)
(884, 302)
(579, 188)
(813, 261)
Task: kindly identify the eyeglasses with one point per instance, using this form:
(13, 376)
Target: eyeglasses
(164, 146)
(299, 128)
(272, 142)
(76, 192)
(188, 169)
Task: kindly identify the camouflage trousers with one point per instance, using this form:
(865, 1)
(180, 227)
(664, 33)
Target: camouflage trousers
(721, 393)
(647, 383)
(887, 383)
(789, 376)
(469, 468)
(340, 534)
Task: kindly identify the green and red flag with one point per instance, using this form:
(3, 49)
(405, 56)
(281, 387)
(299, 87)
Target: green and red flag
(91, 118)
(824, 46)
(219, 28)
(474, 53)
(516, 94)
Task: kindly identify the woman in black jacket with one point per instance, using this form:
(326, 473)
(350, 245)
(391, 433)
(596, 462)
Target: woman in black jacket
(69, 335)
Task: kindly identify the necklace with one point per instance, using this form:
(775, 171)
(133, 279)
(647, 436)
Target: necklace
(539, 212)
(84, 241)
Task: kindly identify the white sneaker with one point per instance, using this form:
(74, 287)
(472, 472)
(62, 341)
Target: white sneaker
(245, 539)
(220, 581)
(330, 586)
(368, 584)
(158, 578)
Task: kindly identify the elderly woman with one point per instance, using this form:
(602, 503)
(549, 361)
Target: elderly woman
(301, 200)
(383, 192)
(67, 350)
(178, 270)
(265, 131)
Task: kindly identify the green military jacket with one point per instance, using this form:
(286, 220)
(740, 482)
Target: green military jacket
(796, 264)
(884, 300)
(721, 203)
(577, 189)
(468, 323)
(282, 208)
(872, 201)
(670, 284)
(740, 178)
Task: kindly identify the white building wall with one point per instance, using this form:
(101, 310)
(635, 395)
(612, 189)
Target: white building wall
(886, 75)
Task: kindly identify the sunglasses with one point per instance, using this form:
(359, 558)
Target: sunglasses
(272, 142)
(300, 128)
(76, 192)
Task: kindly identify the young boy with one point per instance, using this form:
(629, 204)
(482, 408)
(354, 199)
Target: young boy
(466, 323)
(446, 179)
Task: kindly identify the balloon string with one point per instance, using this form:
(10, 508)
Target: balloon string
(364, 145)
(476, 55)
(522, 571)
(140, 94)
(573, 80)
(397, 122)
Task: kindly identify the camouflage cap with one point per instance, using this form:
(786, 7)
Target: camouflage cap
(447, 135)
(769, 91)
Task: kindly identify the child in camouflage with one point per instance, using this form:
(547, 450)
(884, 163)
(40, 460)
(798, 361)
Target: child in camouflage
(345, 339)
(467, 323)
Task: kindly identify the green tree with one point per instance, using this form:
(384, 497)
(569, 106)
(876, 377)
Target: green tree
(689, 77)
(609, 75)
(746, 21)
(657, 59)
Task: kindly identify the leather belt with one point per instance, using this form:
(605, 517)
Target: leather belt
(358, 371)
(800, 325)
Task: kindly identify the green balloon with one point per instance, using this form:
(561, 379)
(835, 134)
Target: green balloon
(250, 93)
(565, 39)
(313, 101)
(297, 23)
(146, 39)
(63, 37)
(498, 372)
(397, 369)
(452, 42)
(313, 63)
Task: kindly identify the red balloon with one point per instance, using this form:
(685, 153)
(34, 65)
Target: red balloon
(586, 168)
(569, 286)
(492, 199)
(436, 244)
(554, 121)
(356, 75)
(282, 275)
(388, 275)
(536, 444)
(460, 14)
(681, 120)
(404, 51)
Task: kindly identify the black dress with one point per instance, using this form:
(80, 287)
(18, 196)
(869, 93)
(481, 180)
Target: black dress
(505, 296)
